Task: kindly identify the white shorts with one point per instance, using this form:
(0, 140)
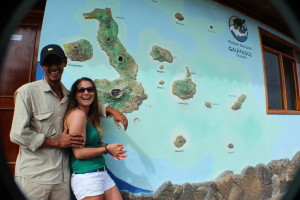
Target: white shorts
(91, 184)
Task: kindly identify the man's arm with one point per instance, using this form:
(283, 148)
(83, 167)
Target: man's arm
(66, 140)
(118, 117)
(22, 134)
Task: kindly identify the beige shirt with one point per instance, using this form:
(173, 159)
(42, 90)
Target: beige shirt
(39, 114)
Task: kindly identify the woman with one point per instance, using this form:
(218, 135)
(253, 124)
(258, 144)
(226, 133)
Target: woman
(90, 180)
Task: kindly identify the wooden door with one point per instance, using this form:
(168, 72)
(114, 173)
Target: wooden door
(19, 67)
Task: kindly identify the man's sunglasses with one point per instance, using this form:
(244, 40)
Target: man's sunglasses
(88, 89)
(50, 62)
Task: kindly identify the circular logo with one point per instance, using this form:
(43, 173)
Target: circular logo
(238, 28)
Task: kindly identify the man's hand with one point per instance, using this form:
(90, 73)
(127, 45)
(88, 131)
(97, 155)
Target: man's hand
(74, 141)
(65, 141)
(118, 117)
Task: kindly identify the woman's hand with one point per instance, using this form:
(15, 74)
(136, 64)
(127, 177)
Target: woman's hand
(120, 156)
(117, 151)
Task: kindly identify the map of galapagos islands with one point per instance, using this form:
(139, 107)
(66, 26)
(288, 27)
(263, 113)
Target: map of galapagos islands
(124, 94)
(170, 70)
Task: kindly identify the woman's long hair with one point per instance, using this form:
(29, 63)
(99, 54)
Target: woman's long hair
(94, 113)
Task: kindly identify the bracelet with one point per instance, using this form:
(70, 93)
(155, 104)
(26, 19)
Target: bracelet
(106, 150)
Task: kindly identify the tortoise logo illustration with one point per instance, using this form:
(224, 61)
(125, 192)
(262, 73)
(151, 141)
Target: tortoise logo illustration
(238, 28)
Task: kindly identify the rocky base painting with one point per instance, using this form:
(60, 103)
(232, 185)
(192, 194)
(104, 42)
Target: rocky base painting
(262, 182)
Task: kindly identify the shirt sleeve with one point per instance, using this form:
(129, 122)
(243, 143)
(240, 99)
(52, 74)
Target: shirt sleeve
(21, 133)
(102, 109)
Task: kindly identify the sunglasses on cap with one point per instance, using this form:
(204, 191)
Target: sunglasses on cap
(88, 89)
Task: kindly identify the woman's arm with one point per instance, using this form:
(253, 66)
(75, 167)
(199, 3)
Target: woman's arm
(76, 123)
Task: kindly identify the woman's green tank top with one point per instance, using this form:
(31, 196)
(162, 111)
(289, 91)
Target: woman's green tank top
(89, 165)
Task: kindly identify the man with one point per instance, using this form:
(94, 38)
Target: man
(42, 166)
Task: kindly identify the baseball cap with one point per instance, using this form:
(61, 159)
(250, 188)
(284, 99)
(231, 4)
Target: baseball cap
(52, 49)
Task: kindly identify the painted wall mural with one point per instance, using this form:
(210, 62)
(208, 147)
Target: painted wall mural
(188, 75)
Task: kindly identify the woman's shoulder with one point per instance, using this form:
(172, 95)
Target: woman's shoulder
(76, 114)
(76, 122)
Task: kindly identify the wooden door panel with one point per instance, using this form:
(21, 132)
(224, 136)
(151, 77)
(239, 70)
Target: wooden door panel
(18, 68)
(10, 149)
(18, 60)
